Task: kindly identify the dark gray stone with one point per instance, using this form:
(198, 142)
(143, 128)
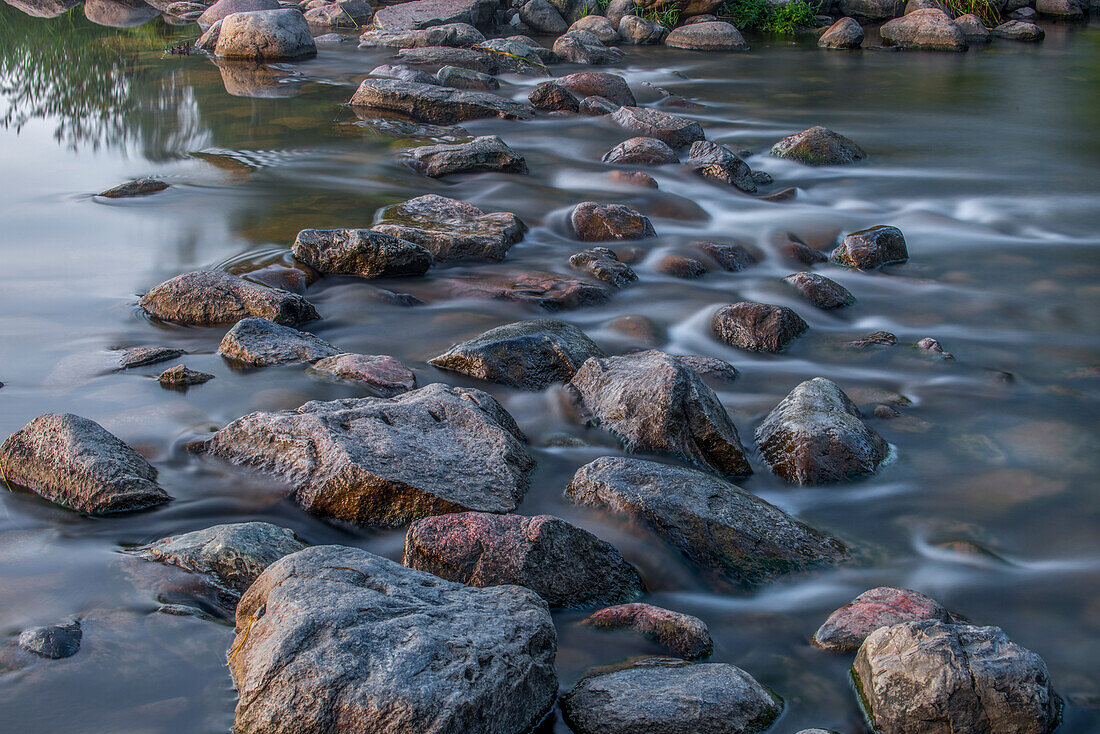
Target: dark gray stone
(729, 255)
(427, 13)
(55, 641)
(602, 263)
(213, 297)
(450, 34)
(554, 97)
(598, 83)
(137, 187)
(434, 104)
(485, 153)
(820, 291)
(404, 73)
(584, 47)
(254, 342)
(870, 249)
(459, 78)
(361, 252)
(873, 10)
(643, 152)
(675, 131)
(542, 17)
(463, 58)
(452, 230)
(1018, 30)
(719, 163)
(973, 29)
(180, 376)
(758, 327)
(141, 356)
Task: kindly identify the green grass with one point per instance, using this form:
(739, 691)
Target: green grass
(667, 16)
(984, 9)
(755, 15)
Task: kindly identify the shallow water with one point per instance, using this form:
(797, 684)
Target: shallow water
(988, 161)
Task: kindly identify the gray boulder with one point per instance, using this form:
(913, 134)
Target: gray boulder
(599, 26)
(598, 83)
(338, 639)
(602, 263)
(820, 291)
(618, 9)
(388, 461)
(685, 636)
(642, 152)
(361, 252)
(265, 35)
(530, 355)
(255, 342)
(675, 131)
(485, 153)
(459, 78)
(340, 14)
(870, 249)
(78, 464)
(585, 47)
(818, 146)
(434, 104)
(1018, 30)
(553, 97)
(758, 327)
(213, 297)
(714, 35)
(119, 13)
(452, 230)
(595, 222)
(639, 31)
(427, 13)
(55, 641)
(845, 33)
(142, 356)
(655, 403)
(719, 163)
(873, 10)
(929, 29)
(43, 8)
(451, 34)
(222, 8)
(847, 627)
(542, 17)
(1072, 10)
(816, 435)
(464, 58)
(404, 73)
(973, 29)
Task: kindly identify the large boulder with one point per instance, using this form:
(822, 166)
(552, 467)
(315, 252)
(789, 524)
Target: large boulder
(870, 249)
(718, 526)
(1062, 9)
(451, 34)
(715, 35)
(542, 17)
(222, 8)
(599, 84)
(655, 403)
(758, 327)
(847, 627)
(973, 29)
(929, 29)
(213, 297)
(419, 14)
(565, 565)
(675, 131)
(822, 292)
(599, 26)
(119, 13)
(846, 33)
(816, 435)
(43, 8)
(254, 342)
(388, 461)
(873, 10)
(434, 104)
(265, 35)
(78, 464)
(929, 677)
(818, 146)
(452, 230)
(673, 696)
(530, 355)
(585, 47)
(338, 639)
(594, 222)
(361, 252)
(642, 152)
(685, 636)
(719, 163)
(485, 153)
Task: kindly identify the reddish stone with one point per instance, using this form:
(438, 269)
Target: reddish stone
(385, 374)
(847, 627)
(547, 290)
(685, 636)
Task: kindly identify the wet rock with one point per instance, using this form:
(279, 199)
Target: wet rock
(180, 376)
(451, 34)
(816, 435)
(232, 555)
(930, 29)
(599, 26)
(681, 266)
(762, 178)
(801, 252)
(452, 230)
(602, 263)
(973, 29)
(713, 367)
(421, 14)
(340, 14)
(141, 356)
(728, 255)
(873, 10)
(338, 639)
(653, 402)
(758, 327)
(137, 187)
(717, 525)
(634, 178)
(639, 31)
(43, 8)
(519, 56)
(55, 641)
(208, 41)
(847, 627)
(818, 146)
(294, 279)
(584, 47)
(711, 36)
(599, 83)
(382, 373)
(675, 131)
(930, 676)
(597, 106)
(549, 291)
(480, 549)
(265, 35)
(543, 54)
(643, 152)
(530, 355)
(387, 461)
(616, 10)
(669, 695)
(821, 291)
(1024, 13)
(453, 76)
(212, 297)
(404, 73)
(928, 345)
(593, 222)
(255, 342)
(222, 8)
(485, 153)
(845, 33)
(119, 13)
(435, 104)
(685, 636)
(553, 96)
(719, 163)
(464, 58)
(1018, 30)
(873, 339)
(1062, 9)
(542, 17)
(76, 463)
(361, 252)
(643, 331)
(870, 249)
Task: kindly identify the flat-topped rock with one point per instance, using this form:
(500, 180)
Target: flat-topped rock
(818, 146)
(822, 292)
(595, 222)
(846, 33)
(362, 252)
(382, 373)
(602, 263)
(758, 327)
(869, 249)
(255, 342)
(485, 153)
(718, 526)
(685, 636)
(719, 163)
(213, 297)
(76, 463)
(673, 130)
(530, 355)
(549, 291)
(714, 35)
(265, 35)
(440, 56)
(450, 34)
(451, 230)
(387, 461)
(142, 356)
(929, 29)
(847, 627)
(427, 13)
(435, 104)
(598, 83)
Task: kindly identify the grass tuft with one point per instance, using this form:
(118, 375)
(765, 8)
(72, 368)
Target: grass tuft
(784, 20)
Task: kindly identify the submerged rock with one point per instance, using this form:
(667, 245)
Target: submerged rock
(1018, 30)
(382, 373)
(602, 263)
(480, 549)
(928, 345)
(338, 639)
(387, 461)
(485, 153)
(421, 14)
(682, 266)
(449, 34)
(265, 35)
(137, 187)
(594, 222)
(847, 627)
(675, 131)
(873, 339)
(820, 291)
(142, 356)
(254, 342)
(213, 297)
(584, 47)
(180, 376)
(642, 152)
(451, 230)
(599, 84)
(846, 33)
(55, 641)
(685, 636)
(530, 355)
(758, 327)
(816, 435)
(870, 249)
(929, 29)
(78, 464)
(719, 163)
(545, 290)
(361, 252)
(729, 255)
(655, 403)
(435, 104)
(818, 146)
(931, 676)
(714, 35)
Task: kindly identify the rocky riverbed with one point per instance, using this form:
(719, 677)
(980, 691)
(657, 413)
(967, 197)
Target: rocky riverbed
(463, 366)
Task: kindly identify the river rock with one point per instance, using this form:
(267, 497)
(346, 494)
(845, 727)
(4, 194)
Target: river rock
(639, 31)
(529, 355)
(119, 13)
(712, 367)
(43, 8)
(820, 291)
(930, 29)
(845, 33)
(142, 356)
(685, 636)
(872, 339)
(480, 549)
(212, 297)
(719, 163)
(182, 377)
(599, 26)
(818, 146)
(222, 8)
(847, 627)
(387, 461)
(728, 255)
(404, 73)
(55, 641)
(231, 555)
(597, 106)
(549, 291)
(1018, 30)
(710, 36)
(76, 463)
(136, 187)
(542, 17)
(265, 35)
(338, 639)
(928, 345)
(816, 435)
(382, 373)
(340, 14)
(584, 47)
(675, 131)
(653, 402)
(1062, 9)
(434, 104)
(681, 266)
(459, 78)
(602, 263)
(873, 10)
(450, 34)
(870, 249)
(361, 252)
(421, 14)
(208, 41)
(643, 152)
(255, 342)
(464, 58)
(485, 153)
(594, 222)
(758, 327)
(973, 29)
(931, 676)
(452, 230)
(554, 97)
(599, 83)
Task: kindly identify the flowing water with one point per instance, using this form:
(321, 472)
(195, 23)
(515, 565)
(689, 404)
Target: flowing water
(988, 161)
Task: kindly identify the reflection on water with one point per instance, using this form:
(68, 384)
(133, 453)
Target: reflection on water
(987, 161)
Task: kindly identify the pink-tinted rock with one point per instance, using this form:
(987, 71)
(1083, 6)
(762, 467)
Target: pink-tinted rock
(385, 374)
(601, 84)
(847, 627)
(685, 636)
(546, 290)
(758, 327)
(595, 222)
